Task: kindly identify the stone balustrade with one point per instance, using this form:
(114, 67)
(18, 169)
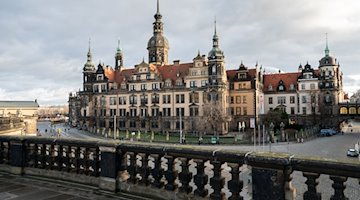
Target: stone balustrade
(173, 171)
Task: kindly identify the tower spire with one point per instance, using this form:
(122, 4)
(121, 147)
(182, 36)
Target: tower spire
(89, 51)
(327, 47)
(118, 49)
(157, 7)
(215, 37)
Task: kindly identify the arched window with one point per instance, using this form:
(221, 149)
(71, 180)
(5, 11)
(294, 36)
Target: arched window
(352, 111)
(343, 111)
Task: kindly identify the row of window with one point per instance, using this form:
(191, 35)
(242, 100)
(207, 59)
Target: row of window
(304, 99)
(238, 99)
(157, 86)
(155, 99)
(153, 124)
(237, 111)
(292, 110)
(143, 112)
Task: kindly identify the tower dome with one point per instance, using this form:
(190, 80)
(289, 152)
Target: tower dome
(89, 65)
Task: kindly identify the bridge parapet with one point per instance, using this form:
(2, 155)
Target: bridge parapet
(173, 171)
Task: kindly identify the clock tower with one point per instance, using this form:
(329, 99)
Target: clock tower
(158, 45)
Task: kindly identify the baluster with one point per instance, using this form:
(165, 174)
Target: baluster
(339, 187)
(36, 155)
(77, 160)
(94, 162)
(60, 157)
(86, 161)
(235, 185)
(145, 169)
(122, 157)
(1, 153)
(43, 156)
(200, 179)
(157, 172)
(290, 191)
(68, 159)
(311, 183)
(51, 157)
(185, 176)
(132, 168)
(171, 174)
(217, 182)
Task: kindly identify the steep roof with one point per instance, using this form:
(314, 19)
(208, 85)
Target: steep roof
(165, 72)
(274, 79)
(232, 74)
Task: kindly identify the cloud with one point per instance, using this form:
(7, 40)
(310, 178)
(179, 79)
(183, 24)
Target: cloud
(43, 44)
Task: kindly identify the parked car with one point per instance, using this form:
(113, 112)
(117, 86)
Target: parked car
(352, 153)
(327, 132)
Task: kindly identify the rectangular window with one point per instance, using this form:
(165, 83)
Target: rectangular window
(303, 99)
(303, 86)
(122, 124)
(154, 86)
(180, 111)
(312, 86)
(292, 99)
(154, 98)
(166, 99)
(144, 99)
(232, 100)
(245, 110)
(122, 112)
(292, 110)
(133, 99)
(238, 99)
(193, 84)
(204, 83)
(143, 112)
(270, 100)
(232, 112)
(304, 110)
(132, 124)
(238, 110)
(155, 112)
(244, 99)
(133, 112)
(281, 100)
(112, 100)
(180, 98)
(122, 100)
(132, 87)
(194, 111)
(143, 86)
(154, 124)
(166, 112)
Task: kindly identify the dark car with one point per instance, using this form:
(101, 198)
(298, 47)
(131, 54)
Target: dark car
(327, 132)
(352, 153)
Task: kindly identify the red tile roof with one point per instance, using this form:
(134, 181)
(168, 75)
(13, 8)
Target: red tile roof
(274, 79)
(232, 74)
(166, 72)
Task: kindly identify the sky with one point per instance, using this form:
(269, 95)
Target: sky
(43, 44)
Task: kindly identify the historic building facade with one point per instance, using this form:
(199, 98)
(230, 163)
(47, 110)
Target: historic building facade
(159, 96)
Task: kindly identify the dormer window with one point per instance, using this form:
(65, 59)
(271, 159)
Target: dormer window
(270, 88)
(99, 77)
(281, 88)
(168, 83)
(292, 87)
(123, 86)
(179, 82)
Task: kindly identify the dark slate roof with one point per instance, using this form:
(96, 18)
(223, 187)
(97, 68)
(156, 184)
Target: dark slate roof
(18, 104)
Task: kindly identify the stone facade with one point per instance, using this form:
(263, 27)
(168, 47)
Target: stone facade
(162, 97)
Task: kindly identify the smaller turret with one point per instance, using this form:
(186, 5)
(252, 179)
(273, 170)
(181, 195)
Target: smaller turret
(118, 58)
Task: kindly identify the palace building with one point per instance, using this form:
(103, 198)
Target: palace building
(197, 96)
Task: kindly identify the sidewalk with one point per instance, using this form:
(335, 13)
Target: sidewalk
(14, 187)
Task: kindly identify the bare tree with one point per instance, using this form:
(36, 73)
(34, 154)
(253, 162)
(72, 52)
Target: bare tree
(214, 116)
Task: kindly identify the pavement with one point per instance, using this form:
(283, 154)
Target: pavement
(34, 188)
